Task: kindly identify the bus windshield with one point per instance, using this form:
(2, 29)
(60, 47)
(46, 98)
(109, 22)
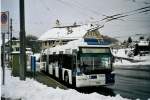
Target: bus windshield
(95, 62)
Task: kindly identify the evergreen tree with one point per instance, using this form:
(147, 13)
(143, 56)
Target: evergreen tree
(129, 40)
(14, 38)
(148, 39)
(141, 38)
(32, 42)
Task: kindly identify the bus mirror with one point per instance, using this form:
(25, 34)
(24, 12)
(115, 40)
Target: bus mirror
(113, 59)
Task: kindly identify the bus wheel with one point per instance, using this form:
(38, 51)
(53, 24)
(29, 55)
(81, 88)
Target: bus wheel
(66, 78)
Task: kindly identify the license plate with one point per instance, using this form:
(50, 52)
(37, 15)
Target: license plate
(93, 77)
(98, 82)
(102, 75)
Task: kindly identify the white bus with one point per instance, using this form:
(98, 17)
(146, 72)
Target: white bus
(80, 64)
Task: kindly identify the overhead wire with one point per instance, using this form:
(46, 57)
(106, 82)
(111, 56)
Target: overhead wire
(107, 18)
(123, 15)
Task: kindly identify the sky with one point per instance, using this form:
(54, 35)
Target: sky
(41, 15)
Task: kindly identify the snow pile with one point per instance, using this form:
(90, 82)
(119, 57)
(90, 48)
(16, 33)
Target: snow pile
(142, 60)
(125, 62)
(121, 52)
(143, 43)
(32, 90)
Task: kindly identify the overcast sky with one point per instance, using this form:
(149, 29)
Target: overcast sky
(40, 15)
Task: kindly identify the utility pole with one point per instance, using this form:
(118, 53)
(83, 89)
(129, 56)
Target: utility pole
(3, 57)
(11, 42)
(22, 42)
(8, 49)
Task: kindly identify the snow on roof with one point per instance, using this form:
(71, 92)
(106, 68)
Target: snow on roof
(143, 43)
(71, 46)
(62, 32)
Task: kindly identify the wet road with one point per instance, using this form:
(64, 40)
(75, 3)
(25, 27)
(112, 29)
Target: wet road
(132, 81)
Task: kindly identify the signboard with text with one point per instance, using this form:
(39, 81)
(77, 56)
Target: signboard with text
(4, 22)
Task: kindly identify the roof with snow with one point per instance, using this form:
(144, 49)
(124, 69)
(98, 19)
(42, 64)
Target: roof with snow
(70, 46)
(143, 43)
(67, 32)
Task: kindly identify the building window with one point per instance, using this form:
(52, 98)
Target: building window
(14, 43)
(53, 42)
(17, 48)
(45, 43)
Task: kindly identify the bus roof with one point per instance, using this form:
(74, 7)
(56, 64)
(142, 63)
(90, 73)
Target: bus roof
(70, 46)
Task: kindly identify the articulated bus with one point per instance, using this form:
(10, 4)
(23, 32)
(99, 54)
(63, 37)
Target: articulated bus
(79, 64)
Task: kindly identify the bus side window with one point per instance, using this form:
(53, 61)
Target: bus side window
(43, 58)
(60, 60)
(67, 61)
(50, 59)
(74, 65)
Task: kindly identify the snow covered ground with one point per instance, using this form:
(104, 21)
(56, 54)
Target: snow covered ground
(32, 90)
(143, 60)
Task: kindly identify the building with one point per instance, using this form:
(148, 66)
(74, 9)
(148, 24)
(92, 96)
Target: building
(63, 34)
(142, 47)
(15, 45)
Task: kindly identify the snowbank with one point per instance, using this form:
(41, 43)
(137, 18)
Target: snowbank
(125, 62)
(142, 60)
(121, 52)
(32, 90)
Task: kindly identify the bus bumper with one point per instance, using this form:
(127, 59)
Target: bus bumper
(95, 80)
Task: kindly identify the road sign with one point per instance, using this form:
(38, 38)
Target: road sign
(5, 22)
(3, 18)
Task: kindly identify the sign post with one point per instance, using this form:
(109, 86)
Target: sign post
(5, 22)
(3, 57)
(4, 29)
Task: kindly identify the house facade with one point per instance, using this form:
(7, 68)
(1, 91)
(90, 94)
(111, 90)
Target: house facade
(63, 34)
(142, 47)
(15, 45)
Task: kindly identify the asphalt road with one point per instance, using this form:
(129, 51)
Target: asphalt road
(130, 82)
